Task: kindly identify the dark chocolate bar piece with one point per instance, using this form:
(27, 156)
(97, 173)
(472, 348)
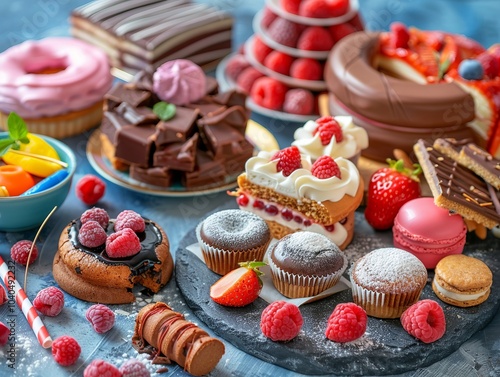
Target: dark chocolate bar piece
(157, 176)
(135, 144)
(177, 129)
(177, 156)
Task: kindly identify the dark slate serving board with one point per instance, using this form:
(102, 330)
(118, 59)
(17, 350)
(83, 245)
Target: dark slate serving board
(310, 352)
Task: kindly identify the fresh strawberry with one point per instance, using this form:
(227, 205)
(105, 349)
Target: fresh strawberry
(390, 188)
(400, 35)
(239, 287)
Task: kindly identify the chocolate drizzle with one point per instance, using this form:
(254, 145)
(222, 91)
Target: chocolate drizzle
(139, 263)
(457, 183)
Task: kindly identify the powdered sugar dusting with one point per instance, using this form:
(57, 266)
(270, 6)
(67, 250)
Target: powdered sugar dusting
(390, 268)
(236, 229)
(311, 251)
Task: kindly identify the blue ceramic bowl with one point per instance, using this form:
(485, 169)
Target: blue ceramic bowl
(19, 213)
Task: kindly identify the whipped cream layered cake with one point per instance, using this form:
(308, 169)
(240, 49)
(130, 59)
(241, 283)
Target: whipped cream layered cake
(202, 143)
(407, 84)
(291, 193)
(143, 34)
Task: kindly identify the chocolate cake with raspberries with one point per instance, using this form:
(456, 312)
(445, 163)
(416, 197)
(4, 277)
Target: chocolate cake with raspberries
(281, 65)
(174, 129)
(101, 259)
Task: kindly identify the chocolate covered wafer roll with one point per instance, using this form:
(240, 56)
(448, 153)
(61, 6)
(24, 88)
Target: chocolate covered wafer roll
(174, 339)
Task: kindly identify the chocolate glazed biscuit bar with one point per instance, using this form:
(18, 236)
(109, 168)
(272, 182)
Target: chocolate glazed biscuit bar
(143, 34)
(457, 188)
(473, 157)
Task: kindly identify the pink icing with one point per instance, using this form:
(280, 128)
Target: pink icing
(428, 231)
(82, 81)
(179, 82)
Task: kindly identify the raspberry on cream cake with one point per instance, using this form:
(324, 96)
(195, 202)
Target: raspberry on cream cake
(291, 193)
(332, 136)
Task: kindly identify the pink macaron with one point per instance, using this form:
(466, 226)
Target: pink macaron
(427, 231)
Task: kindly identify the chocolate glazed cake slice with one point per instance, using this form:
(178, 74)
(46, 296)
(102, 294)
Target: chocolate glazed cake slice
(457, 188)
(143, 34)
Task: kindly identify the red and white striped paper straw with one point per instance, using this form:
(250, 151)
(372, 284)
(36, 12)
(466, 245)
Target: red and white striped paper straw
(25, 305)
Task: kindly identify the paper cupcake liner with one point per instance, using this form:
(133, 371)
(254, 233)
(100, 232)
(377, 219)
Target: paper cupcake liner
(383, 305)
(222, 261)
(62, 126)
(296, 285)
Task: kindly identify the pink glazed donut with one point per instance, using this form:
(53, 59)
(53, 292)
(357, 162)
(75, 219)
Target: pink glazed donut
(55, 84)
(427, 231)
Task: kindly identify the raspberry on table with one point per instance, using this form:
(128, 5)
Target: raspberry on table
(123, 243)
(288, 160)
(328, 127)
(49, 301)
(247, 78)
(425, 320)
(346, 323)
(315, 38)
(279, 62)
(298, 101)
(90, 189)
(269, 93)
(281, 321)
(284, 32)
(20, 251)
(4, 334)
(134, 368)
(101, 317)
(100, 368)
(260, 50)
(325, 167)
(306, 69)
(91, 234)
(97, 214)
(66, 350)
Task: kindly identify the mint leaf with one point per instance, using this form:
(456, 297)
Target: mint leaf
(17, 128)
(5, 145)
(164, 110)
(18, 133)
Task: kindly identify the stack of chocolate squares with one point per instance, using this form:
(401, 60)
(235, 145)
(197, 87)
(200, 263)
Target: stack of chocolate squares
(203, 145)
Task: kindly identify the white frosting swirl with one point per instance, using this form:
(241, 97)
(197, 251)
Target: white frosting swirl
(354, 140)
(262, 171)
